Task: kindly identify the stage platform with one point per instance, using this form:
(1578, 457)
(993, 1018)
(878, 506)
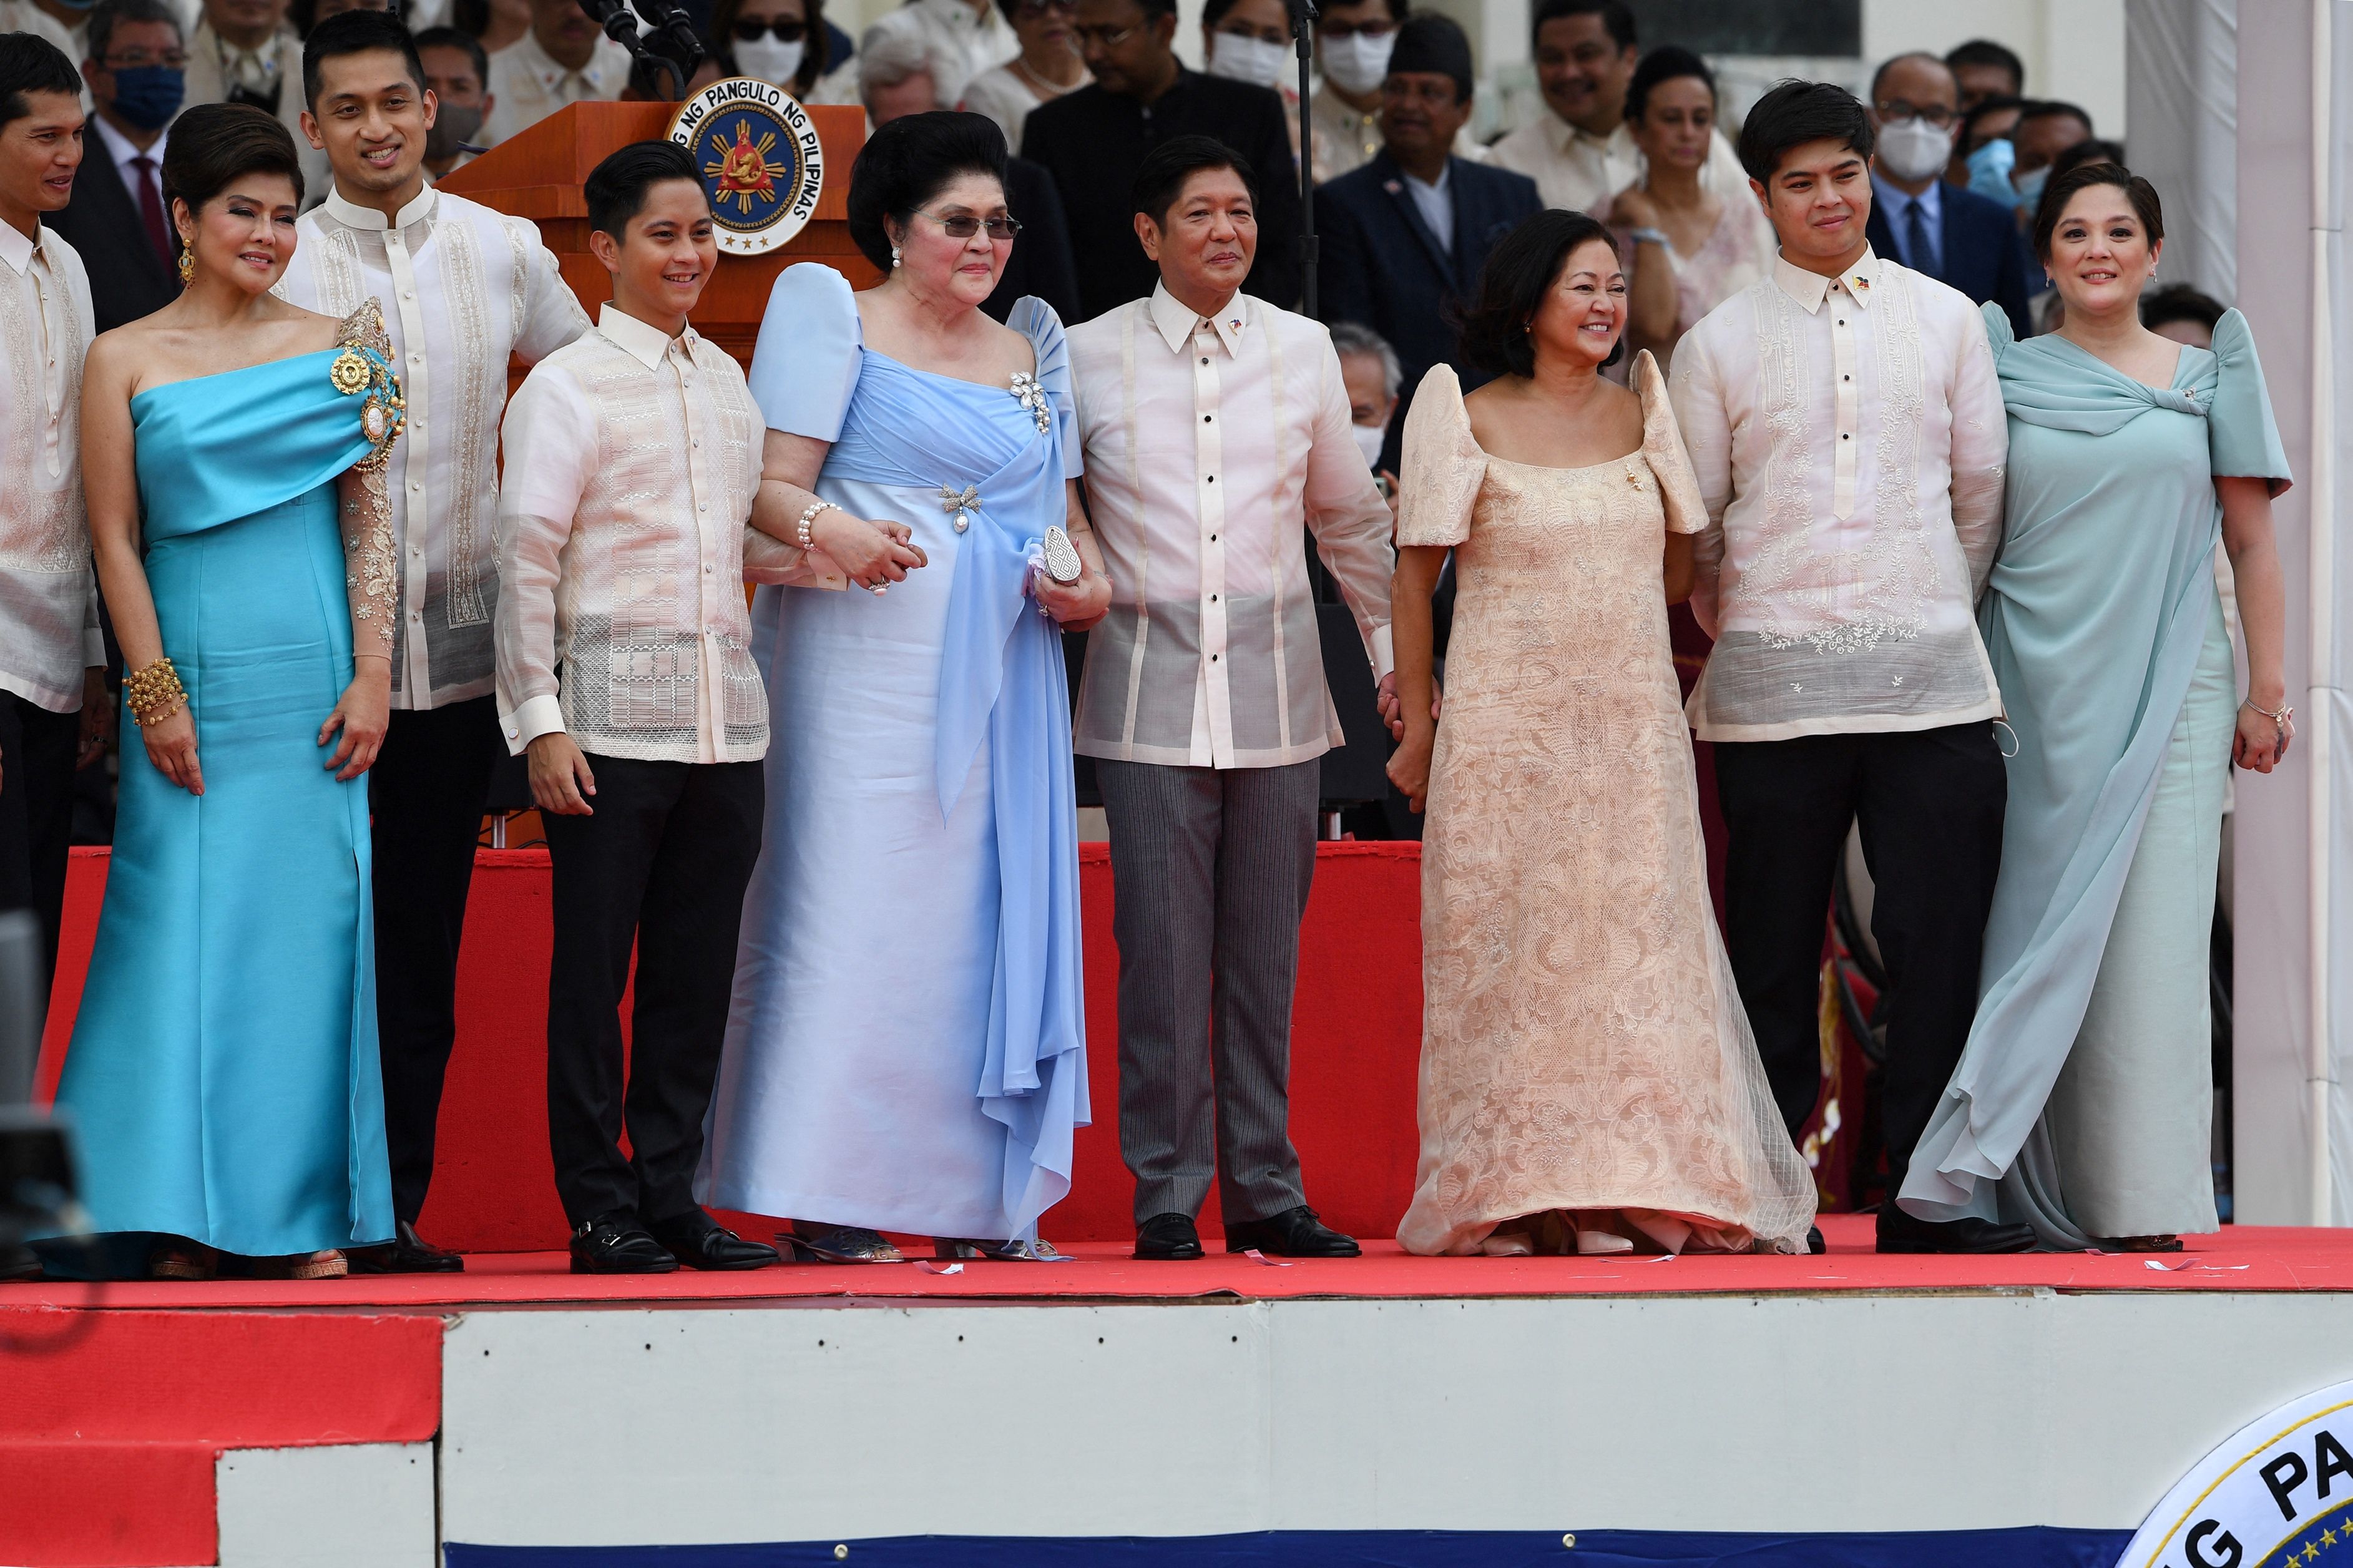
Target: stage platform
(1414, 1412)
(1847, 1410)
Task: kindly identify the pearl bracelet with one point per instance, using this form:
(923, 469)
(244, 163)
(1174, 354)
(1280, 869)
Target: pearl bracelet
(809, 516)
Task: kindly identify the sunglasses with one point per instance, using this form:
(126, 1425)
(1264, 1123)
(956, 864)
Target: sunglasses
(751, 30)
(964, 226)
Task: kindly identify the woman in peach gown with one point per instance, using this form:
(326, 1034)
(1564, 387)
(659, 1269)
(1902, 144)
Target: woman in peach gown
(1588, 1080)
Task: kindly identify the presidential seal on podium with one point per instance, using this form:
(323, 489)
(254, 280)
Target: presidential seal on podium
(760, 163)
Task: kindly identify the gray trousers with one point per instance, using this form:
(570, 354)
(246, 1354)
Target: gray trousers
(1211, 869)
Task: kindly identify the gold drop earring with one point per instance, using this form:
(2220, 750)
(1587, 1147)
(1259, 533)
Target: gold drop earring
(187, 267)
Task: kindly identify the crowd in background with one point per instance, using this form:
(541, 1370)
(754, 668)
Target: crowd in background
(1407, 205)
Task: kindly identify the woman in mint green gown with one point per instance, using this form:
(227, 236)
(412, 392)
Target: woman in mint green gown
(2083, 1101)
(222, 1081)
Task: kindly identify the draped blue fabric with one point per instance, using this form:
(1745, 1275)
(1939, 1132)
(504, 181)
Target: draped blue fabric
(2094, 619)
(223, 1077)
(993, 879)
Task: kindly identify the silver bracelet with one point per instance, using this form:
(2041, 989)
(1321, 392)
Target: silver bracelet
(809, 516)
(1650, 237)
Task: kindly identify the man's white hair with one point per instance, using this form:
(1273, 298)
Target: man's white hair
(898, 46)
(1352, 337)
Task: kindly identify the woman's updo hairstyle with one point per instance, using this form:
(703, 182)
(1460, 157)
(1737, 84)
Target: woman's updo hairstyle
(1657, 66)
(1513, 285)
(2062, 189)
(214, 145)
(906, 163)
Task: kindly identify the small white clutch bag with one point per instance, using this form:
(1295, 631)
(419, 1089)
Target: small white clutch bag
(1062, 563)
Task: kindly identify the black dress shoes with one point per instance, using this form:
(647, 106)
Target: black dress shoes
(1294, 1233)
(407, 1253)
(1900, 1231)
(699, 1241)
(1814, 1242)
(1166, 1238)
(17, 1262)
(617, 1244)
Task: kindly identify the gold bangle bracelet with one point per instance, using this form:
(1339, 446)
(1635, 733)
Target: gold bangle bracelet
(154, 694)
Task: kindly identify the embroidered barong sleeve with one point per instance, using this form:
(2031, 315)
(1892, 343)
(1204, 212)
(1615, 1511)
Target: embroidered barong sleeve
(1348, 517)
(363, 501)
(551, 315)
(1696, 400)
(551, 441)
(1981, 450)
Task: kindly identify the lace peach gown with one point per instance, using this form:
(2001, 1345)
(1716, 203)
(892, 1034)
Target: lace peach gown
(1584, 1050)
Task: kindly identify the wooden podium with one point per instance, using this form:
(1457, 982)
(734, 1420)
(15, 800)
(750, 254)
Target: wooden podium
(538, 173)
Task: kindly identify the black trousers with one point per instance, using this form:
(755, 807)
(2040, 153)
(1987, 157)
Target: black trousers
(1929, 805)
(37, 780)
(664, 863)
(426, 793)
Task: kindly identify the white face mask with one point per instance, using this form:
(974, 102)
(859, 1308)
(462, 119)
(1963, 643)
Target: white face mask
(1253, 60)
(770, 59)
(1913, 149)
(1358, 63)
(1368, 442)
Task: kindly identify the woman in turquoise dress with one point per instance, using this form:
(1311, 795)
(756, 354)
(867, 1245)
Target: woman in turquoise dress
(222, 1080)
(2082, 1102)
(907, 1046)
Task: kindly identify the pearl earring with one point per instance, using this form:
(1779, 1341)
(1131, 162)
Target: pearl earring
(894, 255)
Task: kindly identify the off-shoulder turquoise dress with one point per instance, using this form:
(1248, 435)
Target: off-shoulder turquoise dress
(223, 1077)
(2084, 1099)
(907, 1046)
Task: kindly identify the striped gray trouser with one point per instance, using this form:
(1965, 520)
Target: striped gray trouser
(1211, 869)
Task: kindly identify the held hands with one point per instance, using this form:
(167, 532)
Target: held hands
(1410, 765)
(874, 555)
(1393, 711)
(2262, 741)
(363, 715)
(561, 782)
(1074, 606)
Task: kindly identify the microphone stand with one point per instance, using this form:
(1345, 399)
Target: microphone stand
(1302, 38)
(666, 55)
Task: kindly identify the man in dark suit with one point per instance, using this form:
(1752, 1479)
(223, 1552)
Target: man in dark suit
(117, 219)
(1093, 140)
(1041, 263)
(1404, 237)
(1953, 234)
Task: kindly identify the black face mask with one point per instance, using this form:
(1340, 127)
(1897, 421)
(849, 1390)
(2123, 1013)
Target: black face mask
(454, 128)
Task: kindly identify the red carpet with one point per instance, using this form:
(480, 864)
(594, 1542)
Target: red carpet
(2239, 1259)
(1356, 1040)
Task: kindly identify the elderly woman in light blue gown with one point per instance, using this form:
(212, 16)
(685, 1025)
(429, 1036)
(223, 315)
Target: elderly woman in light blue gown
(2083, 1101)
(906, 1050)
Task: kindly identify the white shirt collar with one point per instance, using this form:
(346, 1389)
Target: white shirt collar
(1177, 320)
(1810, 289)
(550, 71)
(641, 341)
(352, 215)
(1618, 142)
(14, 248)
(121, 149)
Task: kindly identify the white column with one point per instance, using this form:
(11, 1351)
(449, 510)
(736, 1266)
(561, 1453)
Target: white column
(2181, 92)
(2279, 845)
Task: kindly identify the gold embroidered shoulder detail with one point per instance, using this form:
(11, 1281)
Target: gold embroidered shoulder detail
(1443, 467)
(364, 370)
